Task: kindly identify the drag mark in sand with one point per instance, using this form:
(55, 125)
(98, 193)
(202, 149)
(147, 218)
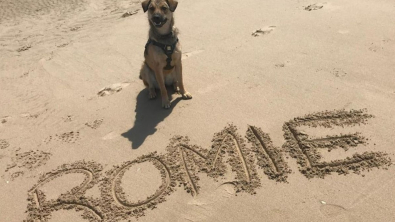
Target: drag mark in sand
(264, 148)
(270, 159)
(186, 162)
(190, 181)
(306, 150)
(116, 182)
(115, 204)
(37, 199)
(90, 211)
(305, 160)
(40, 209)
(241, 156)
(217, 152)
(195, 159)
(342, 141)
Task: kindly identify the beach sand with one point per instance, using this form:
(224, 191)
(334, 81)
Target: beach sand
(292, 116)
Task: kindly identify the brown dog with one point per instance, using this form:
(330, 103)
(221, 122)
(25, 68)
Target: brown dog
(162, 65)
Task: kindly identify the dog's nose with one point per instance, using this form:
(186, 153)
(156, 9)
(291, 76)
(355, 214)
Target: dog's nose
(156, 18)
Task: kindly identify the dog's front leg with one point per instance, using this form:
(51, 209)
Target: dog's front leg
(163, 91)
(185, 94)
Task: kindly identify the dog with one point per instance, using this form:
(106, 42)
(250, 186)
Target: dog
(162, 56)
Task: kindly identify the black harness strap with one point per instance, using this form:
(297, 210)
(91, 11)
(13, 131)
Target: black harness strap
(167, 49)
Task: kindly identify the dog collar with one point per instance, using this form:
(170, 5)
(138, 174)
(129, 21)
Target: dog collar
(168, 35)
(167, 49)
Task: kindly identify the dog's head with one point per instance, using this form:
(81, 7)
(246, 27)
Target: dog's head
(159, 11)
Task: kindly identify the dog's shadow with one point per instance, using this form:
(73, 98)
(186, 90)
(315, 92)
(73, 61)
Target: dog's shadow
(149, 113)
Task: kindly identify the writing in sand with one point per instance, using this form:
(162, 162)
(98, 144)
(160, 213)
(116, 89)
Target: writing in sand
(182, 163)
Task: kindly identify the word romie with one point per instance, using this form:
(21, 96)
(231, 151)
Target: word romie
(182, 163)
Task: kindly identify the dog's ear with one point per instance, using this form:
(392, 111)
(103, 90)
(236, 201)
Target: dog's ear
(145, 4)
(172, 5)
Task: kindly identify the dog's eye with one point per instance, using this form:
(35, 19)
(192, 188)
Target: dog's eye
(164, 8)
(152, 9)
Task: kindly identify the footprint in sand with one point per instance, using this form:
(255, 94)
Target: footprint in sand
(24, 48)
(68, 118)
(25, 162)
(94, 124)
(130, 13)
(25, 74)
(29, 160)
(33, 116)
(16, 175)
(47, 140)
(375, 48)
(69, 137)
(186, 55)
(4, 119)
(263, 31)
(338, 72)
(381, 46)
(114, 88)
(76, 28)
(313, 7)
(4, 144)
(279, 65)
(61, 45)
(30, 116)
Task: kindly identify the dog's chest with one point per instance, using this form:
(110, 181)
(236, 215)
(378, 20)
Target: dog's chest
(157, 57)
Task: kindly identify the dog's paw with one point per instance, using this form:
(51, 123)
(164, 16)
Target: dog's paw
(175, 87)
(152, 94)
(166, 103)
(186, 95)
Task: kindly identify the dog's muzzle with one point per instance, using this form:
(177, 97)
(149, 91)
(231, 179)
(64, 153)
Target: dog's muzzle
(158, 21)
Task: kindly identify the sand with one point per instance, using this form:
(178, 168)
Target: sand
(292, 116)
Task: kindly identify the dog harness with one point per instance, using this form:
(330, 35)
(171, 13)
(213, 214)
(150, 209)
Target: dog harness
(167, 49)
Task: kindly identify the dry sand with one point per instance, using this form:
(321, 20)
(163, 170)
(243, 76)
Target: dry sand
(292, 117)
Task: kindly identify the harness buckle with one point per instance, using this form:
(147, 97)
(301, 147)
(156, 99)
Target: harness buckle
(168, 49)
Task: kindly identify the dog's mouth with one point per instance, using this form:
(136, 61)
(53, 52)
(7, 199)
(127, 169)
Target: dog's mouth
(159, 24)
